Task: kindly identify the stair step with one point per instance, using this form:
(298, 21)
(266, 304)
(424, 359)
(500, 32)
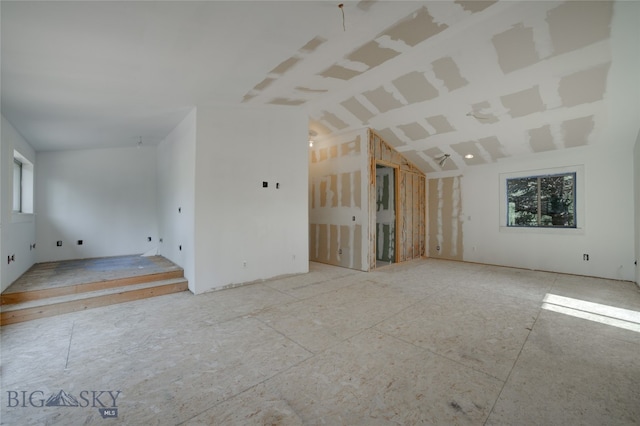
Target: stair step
(79, 301)
(25, 296)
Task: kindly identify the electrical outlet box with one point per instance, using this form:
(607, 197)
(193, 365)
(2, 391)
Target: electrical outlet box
(265, 184)
(80, 242)
(58, 243)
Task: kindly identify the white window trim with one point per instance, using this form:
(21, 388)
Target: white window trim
(27, 190)
(579, 208)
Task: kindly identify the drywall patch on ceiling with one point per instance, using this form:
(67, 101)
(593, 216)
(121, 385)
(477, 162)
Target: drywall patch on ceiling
(415, 28)
(313, 44)
(418, 161)
(333, 120)
(447, 70)
(248, 97)
(414, 131)
(475, 6)
(264, 83)
(365, 4)
(493, 146)
(515, 48)
(479, 112)
(339, 72)
(390, 137)
(468, 147)
(576, 132)
(309, 90)
(382, 100)
(440, 124)
(584, 87)
(287, 101)
(524, 102)
(576, 24)
(372, 54)
(318, 128)
(357, 109)
(540, 139)
(415, 87)
(285, 66)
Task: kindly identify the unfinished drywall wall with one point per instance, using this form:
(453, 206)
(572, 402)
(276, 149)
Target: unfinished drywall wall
(17, 231)
(445, 218)
(338, 204)
(244, 231)
(104, 197)
(176, 196)
(410, 201)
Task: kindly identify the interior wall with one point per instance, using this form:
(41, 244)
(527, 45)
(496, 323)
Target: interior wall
(445, 218)
(104, 197)
(636, 184)
(338, 204)
(17, 231)
(243, 231)
(607, 216)
(176, 196)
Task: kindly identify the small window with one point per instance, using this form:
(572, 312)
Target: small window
(547, 201)
(17, 185)
(22, 184)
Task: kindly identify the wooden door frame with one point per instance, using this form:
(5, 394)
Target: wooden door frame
(396, 207)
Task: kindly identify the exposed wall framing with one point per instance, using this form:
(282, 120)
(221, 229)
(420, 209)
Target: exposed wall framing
(410, 208)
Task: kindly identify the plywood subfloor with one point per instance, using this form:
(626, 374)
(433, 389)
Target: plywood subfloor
(420, 342)
(73, 272)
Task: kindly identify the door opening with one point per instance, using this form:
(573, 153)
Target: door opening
(385, 215)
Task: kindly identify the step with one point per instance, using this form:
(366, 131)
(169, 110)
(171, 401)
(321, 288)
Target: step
(74, 302)
(25, 296)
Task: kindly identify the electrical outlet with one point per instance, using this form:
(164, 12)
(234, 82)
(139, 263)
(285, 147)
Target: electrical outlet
(339, 251)
(585, 257)
(244, 264)
(149, 239)
(59, 243)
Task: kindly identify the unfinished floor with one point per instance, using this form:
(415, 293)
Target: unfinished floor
(424, 342)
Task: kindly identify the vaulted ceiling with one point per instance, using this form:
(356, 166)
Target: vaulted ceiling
(491, 79)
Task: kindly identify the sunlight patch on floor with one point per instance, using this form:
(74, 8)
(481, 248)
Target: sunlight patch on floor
(605, 314)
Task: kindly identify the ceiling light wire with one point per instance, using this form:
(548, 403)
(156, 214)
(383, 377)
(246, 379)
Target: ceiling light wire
(341, 6)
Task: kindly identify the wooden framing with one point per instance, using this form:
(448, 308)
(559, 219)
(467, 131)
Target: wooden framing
(410, 195)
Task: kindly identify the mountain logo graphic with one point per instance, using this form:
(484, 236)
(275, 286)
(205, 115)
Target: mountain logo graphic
(62, 399)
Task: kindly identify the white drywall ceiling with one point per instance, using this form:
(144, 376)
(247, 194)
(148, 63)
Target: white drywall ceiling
(538, 76)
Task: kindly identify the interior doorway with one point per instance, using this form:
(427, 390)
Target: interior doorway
(386, 220)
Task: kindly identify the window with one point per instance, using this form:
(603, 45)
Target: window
(542, 201)
(17, 185)
(22, 184)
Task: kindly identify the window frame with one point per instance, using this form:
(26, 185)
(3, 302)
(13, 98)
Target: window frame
(579, 207)
(17, 186)
(540, 198)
